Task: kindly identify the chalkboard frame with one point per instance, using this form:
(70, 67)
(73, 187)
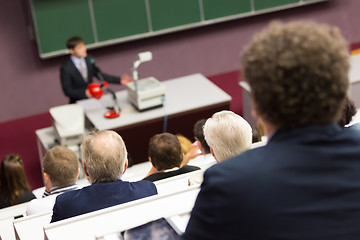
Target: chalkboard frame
(151, 32)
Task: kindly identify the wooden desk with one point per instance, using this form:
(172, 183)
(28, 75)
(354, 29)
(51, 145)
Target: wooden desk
(31, 227)
(188, 99)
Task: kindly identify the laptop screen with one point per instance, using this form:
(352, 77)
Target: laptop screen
(159, 229)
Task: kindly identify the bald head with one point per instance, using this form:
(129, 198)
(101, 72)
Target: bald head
(104, 155)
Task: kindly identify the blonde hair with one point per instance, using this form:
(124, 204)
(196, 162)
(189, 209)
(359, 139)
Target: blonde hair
(62, 166)
(185, 143)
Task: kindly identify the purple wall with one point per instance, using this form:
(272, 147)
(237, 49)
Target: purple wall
(31, 86)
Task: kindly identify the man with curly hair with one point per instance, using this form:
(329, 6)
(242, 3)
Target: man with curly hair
(305, 183)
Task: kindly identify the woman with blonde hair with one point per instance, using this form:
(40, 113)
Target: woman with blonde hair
(14, 187)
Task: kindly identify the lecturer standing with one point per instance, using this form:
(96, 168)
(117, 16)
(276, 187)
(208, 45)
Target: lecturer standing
(77, 72)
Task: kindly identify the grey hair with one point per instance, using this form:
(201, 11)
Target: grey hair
(104, 154)
(227, 134)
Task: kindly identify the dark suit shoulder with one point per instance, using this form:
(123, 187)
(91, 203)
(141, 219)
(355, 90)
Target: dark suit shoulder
(144, 185)
(163, 175)
(189, 168)
(67, 64)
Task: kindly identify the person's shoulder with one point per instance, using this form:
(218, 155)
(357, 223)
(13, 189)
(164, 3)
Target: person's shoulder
(153, 177)
(69, 195)
(353, 130)
(189, 168)
(144, 185)
(67, 63)
(26, 197)
(249, 161)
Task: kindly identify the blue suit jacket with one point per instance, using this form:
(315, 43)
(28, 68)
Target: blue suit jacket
(304, 184)
(98, 196)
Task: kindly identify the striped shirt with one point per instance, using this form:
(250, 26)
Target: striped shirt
(57, 190)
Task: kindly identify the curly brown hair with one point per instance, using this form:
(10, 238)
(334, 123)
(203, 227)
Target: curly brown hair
(298, 73)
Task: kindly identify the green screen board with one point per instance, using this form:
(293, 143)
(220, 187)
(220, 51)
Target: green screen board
(172, 13)
(98, 21)
(116, 19)
(58, 20)
(264, 4)
(220, 8)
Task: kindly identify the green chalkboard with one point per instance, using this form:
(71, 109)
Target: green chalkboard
(264, 4)
(104, 22)
(172, 13)
(220, 8)
(116, 19)
(57, 20)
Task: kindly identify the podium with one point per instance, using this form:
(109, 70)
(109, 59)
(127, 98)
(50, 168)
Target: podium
(188, 99)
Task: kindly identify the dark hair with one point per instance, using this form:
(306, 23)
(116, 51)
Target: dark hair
(256, 137)
(73, 41)
(62, 165)
(199, 134)
(165, 151)
(13, 181)
(348, 111)
(298, 73)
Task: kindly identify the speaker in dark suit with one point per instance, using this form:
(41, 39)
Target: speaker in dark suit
(75, 77)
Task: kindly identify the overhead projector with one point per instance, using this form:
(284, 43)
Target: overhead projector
(147, 93)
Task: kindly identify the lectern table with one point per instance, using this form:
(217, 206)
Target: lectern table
(187, 100)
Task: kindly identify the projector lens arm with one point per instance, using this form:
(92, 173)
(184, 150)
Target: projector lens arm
(116, 106)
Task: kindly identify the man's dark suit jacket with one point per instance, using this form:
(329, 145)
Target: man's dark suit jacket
(73, 83)
(162, 175)
(98, 196)
(304, 184)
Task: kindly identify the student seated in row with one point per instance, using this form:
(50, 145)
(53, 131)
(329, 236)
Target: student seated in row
(166, 156)
(227, 134)
(104, 158)
(203, 156)
(14, 186)
(61, 171)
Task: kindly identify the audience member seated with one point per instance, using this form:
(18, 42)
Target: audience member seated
(305, 182)
(347, 113)
(189, 149)
(199, 136)
(14, 187)
(166, 156)
(256, 137)
(104, 158)
(61, 171)
(185, 143)
(227, 134)
(206, 156)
